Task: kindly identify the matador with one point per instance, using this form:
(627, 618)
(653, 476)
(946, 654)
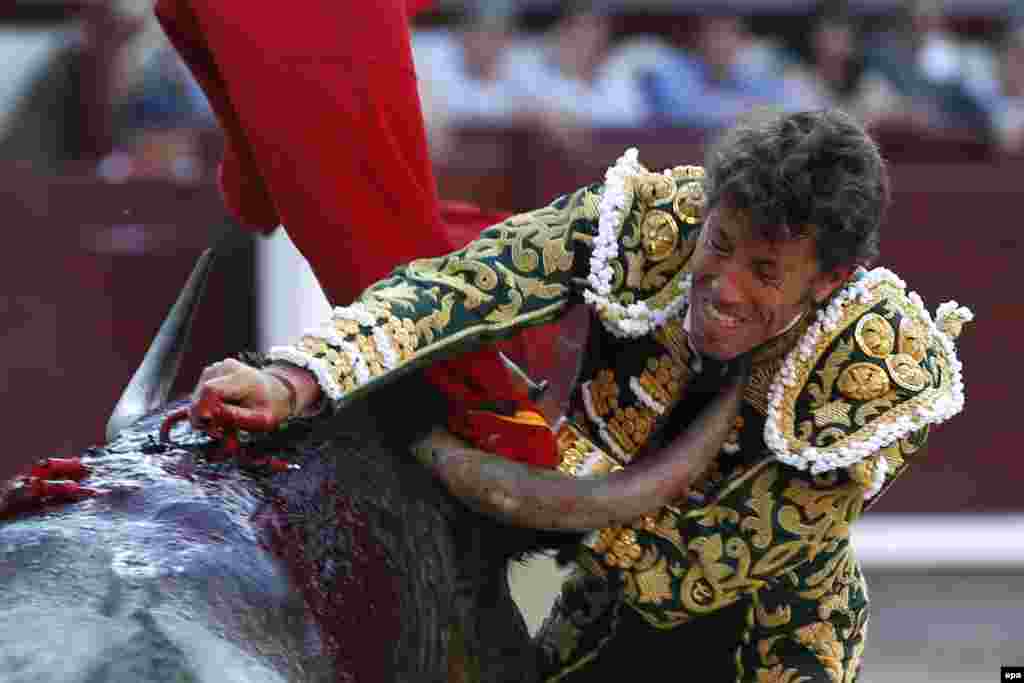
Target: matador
(761, 254)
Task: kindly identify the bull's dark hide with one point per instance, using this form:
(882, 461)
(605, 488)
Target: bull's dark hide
(356, 567)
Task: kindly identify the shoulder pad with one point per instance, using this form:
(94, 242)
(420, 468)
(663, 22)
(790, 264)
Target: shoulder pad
(647, 231)
(872, 369)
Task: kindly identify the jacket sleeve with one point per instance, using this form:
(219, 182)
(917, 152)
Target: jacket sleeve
(517, 273)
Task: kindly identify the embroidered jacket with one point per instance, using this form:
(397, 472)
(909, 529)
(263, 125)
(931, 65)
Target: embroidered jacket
(754, 573)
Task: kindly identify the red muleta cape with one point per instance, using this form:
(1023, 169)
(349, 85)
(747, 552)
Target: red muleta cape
(324, 134)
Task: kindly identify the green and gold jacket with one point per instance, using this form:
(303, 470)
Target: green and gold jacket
(752, 577)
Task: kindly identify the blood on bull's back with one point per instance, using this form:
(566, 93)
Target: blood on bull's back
(354, 565)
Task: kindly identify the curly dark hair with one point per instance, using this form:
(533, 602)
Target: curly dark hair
(815, 172)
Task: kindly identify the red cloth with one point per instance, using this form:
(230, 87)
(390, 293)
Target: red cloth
(324, 134)
(491, 411)
(323, 126)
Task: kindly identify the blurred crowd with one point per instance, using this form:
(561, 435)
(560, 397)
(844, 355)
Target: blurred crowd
(582, 71)
(101, 89)
(563, 71)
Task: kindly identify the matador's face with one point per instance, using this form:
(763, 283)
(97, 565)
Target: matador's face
(748, 289)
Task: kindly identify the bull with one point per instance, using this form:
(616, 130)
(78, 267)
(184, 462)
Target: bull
(322, 552)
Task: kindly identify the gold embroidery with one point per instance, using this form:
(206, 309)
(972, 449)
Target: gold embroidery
(653, 584)
(659, 234)
(631, 427)
(664, 527)
(863, 382)
(658, 276)
(857, 652)
(905, 371)
(764, 648)
(761, 378)
(652, 188)
(873, 408)
(403, 333)
(401, 294)
(780, 617)
(779, 674)
(893, 458)
(822, 393)
(371, 354)
(702, 592)
(340, 366)
(436, 321)
(530, 287)
(913, 339)
(689, 202)
(604, 393)
(681, 173)
(833, 412)
(618, 546)
(579, 456)
(635, 262)
(863, 472)
(664, 379)
(673, 337)
(875, 336)
(821, 639)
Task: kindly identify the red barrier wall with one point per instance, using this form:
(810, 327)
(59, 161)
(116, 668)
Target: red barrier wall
(90, 271)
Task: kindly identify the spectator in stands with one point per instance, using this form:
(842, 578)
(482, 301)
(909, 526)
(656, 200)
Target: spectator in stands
(463, 74)
(460, 71)
(715, 83)
(833, 73)
(565, 80)
(945, 82)
(161, 117)
(1008, 110)
(62, 114)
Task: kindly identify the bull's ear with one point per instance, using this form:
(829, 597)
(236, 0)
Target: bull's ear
(153, 380)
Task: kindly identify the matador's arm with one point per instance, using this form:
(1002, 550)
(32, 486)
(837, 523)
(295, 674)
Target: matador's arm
(518, 273)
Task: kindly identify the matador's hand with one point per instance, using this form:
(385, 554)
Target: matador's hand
(231, 395)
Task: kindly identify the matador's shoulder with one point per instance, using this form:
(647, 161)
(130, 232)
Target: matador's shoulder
(866, 381)
(647, 229)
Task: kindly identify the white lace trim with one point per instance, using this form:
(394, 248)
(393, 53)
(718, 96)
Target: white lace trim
(609, 439)
(877, 477)
(825, 459)
(387, 351)
(356, 312)
(327, 334)
(634, 320)
(359, 367)
(644, 397)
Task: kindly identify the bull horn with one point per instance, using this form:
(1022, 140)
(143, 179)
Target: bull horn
(538, 498)
(153, 380)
